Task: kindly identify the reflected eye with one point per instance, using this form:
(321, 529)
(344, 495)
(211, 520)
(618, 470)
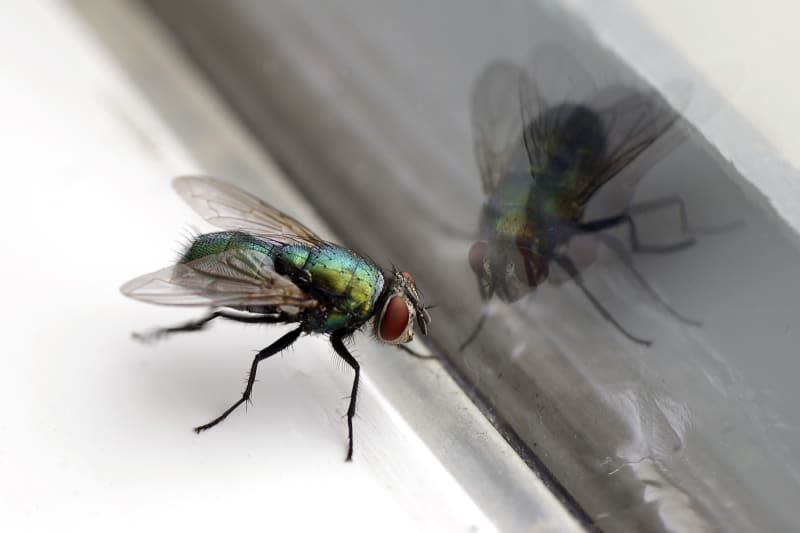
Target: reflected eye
(394, 320)
(476, 254)
(523, 267)
(529, 268)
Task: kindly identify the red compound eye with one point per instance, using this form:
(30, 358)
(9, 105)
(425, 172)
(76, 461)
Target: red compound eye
(476, 253)
(394, 319)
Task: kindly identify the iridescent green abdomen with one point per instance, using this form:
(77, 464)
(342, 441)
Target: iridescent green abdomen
(347, 284)
(223, 241)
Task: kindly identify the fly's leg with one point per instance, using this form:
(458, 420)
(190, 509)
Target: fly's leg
(570, 268)
(486, 295)
(200, 323)
(477, 329)
(626, 218)
(612, 222)
(414, 353)
(661, 203)
(276, 347)
(613, 244)
(337, 340)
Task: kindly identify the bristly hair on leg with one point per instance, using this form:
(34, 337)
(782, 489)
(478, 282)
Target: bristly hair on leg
(349, 341)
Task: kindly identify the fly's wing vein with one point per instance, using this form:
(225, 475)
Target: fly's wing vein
(497, 121)
(555, 78)
(231, 278)
(633, 117)
(229, 207)
(633, 121)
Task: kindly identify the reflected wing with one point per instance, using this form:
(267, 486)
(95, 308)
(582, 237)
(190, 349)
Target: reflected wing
(229, 207)
(633, 121)
(496, 121)
(231, 278)
(510, 122)
(632, 117)
(557, 79)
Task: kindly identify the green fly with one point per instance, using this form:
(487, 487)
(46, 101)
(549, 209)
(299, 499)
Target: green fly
(268, 268)
(546, 142)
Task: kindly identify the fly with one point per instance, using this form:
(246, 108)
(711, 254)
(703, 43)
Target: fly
(545, 144)
(268, 268)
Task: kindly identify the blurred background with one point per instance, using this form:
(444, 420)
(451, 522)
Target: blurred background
(359, 118)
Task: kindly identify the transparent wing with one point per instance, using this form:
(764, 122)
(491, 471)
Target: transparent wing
(231, 278)
(229, 207)
(497, 121)
(556, 79)
(632, 117)
(633, 121)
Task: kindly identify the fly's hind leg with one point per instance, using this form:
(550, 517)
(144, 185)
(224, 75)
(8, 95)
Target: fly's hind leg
(570, 268)
(200, 323)
(337, 340)
(663, 203)
(276, 347)
(645, 207)
(614, 244)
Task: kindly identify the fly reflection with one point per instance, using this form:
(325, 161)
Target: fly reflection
(546, 142)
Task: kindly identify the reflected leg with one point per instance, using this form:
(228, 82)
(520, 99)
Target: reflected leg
(570, 268)
(477, 329)
(415, 353)
(614, 244)
(276, 347)
(661, 203)
(625, 218)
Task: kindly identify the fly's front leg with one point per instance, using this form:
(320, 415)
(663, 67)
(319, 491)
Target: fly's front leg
(200, 323)
(414, 353)
(477, 328)
(276, 347)
(486, 295)
(337, 340)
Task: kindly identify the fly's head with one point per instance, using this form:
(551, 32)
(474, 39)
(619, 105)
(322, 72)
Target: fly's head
(507, 270)
(401, 307)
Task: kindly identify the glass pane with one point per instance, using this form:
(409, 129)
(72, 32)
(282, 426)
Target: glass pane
(368, 105)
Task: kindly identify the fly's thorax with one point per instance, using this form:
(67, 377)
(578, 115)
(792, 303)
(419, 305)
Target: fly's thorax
(329, 320)
(398, 308)
(513, 210)
(346, 284)
(515, 223)
(561, 208)
(576, 143)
